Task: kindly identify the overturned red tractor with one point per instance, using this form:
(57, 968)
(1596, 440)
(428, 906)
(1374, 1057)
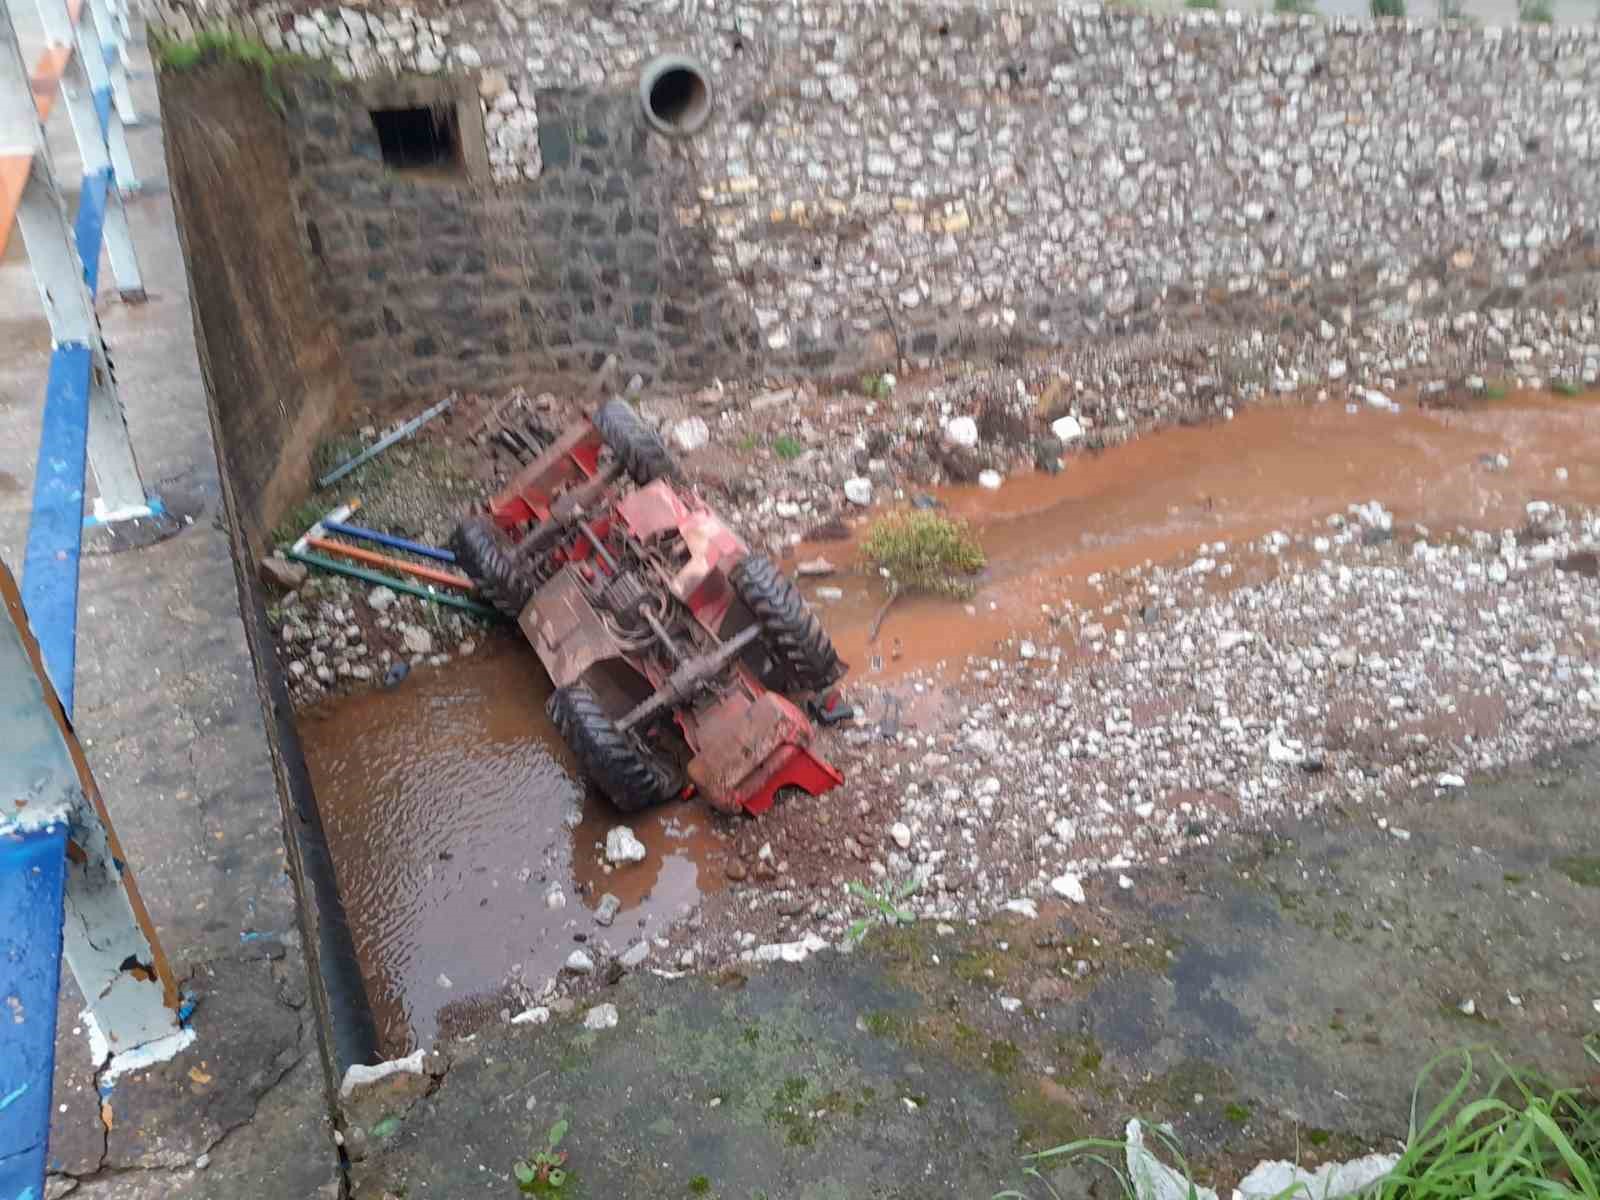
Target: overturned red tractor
(681, 660)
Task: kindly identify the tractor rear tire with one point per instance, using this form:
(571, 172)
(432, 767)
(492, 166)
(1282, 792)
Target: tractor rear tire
(639, 448)
(631, 778)
(805, 658)
(485, 554)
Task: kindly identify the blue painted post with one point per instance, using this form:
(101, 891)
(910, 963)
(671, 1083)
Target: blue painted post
(32, 873)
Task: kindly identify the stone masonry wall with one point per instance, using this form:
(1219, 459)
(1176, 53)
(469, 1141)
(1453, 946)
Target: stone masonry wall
(440, 283)
(880, 175)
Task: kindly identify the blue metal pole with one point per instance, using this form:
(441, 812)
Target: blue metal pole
(388, 539)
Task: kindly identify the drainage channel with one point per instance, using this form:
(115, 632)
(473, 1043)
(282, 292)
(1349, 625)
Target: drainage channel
(466, 850)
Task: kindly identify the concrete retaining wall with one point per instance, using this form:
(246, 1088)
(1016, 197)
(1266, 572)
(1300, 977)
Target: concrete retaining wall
(881, 177)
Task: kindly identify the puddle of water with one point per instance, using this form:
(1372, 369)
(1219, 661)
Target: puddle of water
(444, 802)
(1155, 499)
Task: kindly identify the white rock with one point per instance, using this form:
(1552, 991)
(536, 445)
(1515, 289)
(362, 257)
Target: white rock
(829, 594)
(634, 955)
(1231, 639)
(990, 480)
(601, 1016)
(532, 1016)
(555, 898)
(814, 566)
(416, 640)
(690, 434)
(1069, 887)
(901, 833)
(1124, 882)
(1285, 753)
(1023, 908)
(1028, 650)
(623, 847)
(1067, 429)
(359, 1075)
(579, 963)
(379, 599)
(1448, 780)
(858, 491)
(961, 431)
(1010, 1003)
(1337, 369)
(789, 952)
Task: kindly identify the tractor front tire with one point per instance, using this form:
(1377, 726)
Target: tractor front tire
(805, 658)
(631, 778)
(638, 448)
(484, 553)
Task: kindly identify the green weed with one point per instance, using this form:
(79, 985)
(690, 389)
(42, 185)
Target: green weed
(1535, 12)
(877, 387)
(1293, 8)
(924, 552)
(1207, 4)
(1388, 8)
(210, 47)
(1566, 387)
(885, 903)
(544, 1170)
(787, 448)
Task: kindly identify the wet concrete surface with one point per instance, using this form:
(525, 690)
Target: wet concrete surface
(453, 812)
(1279, 1000)
(1156, 499)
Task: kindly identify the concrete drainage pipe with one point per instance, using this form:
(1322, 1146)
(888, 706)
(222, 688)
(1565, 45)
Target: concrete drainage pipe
(675, 93)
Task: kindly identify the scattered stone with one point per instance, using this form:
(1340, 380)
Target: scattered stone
(901, 833)
(532, 1016)
(829, 594)
(1023, 908)
(1449, 780)
(623, 847)
(1010, 1003)
(814, 566)
(601, 1016)
(735, 871)
(579, 963)
(691, 433)
(1068, 429)
(381, 599)
(444, 981)
(608, 908)
(1069, 887)
(415, 639)
(635, 955)
(789, 952)
(990, 480)
(961, 431)
(555, 898)
(858, 491)
(279, 572)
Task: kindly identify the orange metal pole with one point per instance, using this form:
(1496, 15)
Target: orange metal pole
(372, 557)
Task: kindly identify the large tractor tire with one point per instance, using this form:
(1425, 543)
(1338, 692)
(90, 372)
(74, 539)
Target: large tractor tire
(632, 778)
(638, 448)
(483, 552)
(804, 657)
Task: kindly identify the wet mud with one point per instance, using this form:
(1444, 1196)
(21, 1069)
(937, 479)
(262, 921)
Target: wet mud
(453, 811)
(1155, 500)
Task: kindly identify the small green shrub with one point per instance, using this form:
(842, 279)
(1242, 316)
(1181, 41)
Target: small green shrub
(1208, 4)
(1294, 8)
(1388, 8)
(787, 448)
(1566, 387)
(924, 552)
(1535, 12)
(215, 46)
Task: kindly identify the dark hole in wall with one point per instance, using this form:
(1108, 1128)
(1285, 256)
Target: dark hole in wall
(417, 137)
(679, 98)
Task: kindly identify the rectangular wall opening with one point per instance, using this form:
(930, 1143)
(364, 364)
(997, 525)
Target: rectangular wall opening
(425, 138)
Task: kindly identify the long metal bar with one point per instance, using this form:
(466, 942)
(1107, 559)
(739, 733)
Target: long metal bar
(91, 40)
(111, 54)
(682, 682)
(385, 442)
(373, 559)
(388, 539)
(389, 581)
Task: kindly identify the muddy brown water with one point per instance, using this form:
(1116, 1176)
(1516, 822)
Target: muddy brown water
(447, 803)
(444, 798)
(1156, 499)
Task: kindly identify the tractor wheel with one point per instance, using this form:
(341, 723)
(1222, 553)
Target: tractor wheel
(485, 555)
(638, 447)
(630, 777)
(806, 660)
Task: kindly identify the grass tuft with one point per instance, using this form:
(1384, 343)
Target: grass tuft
(924, 552)
(787, 447)
(212, 47)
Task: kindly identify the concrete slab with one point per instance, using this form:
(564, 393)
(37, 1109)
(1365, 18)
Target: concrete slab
(168, 711)
(1276, 1001)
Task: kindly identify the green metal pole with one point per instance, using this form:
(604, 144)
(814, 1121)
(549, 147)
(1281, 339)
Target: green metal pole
(399, 585)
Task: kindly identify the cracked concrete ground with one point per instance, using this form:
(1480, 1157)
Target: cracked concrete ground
(168, 713)
(1274, 999)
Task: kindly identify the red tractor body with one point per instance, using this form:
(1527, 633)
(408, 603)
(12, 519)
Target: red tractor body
(671, 646)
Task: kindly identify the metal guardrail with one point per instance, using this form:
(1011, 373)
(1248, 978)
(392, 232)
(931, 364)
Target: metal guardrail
(65, 886)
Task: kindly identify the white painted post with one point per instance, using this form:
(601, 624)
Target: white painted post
(91, 39)
(77, 95)
(107, 937)
(52, 253)
(116, 64)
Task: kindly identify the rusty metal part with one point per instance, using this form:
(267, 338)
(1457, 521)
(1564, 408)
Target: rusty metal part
(662, 636)
(682, 683)
(752, 737)
(568, 632)
(600, 550)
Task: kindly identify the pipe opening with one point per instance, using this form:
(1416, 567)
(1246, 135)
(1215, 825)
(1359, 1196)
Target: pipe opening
(676, 95)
